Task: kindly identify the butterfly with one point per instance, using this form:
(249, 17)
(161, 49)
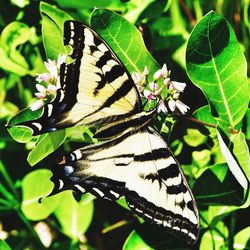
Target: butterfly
(132, 160)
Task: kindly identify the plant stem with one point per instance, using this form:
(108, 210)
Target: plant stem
(201, 122)
(231, 232)
(30, 228)
(8, 180)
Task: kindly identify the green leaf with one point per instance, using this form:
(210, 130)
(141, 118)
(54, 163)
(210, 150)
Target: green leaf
(52, 29)
(223, 188)
(134, 241)
(48, 144)
(194, 138)
(106, 4)
(21, 133)
(201, 158)
(125, 40)
(204, 114)
(247, 126)
(4, 245)
(36, 185)
(216, 64)
(241, 152)
(241, 239)
(74, 217)
(13, 35)
(213, 239)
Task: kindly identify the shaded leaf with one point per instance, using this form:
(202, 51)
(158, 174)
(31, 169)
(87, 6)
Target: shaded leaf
(36, 185)
(48, 144)
(216, 64)
(125, 40)
(223, 188)
(4, 245)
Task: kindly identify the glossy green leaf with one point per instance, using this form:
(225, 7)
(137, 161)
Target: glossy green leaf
(36, 185)
(241, 239)
(204, 114)
(134, 241)
(106, 4)
(125, 40)
(213, 239)
(243, 157)
(4, 245)
(52, 29)
(194, 138)
(216, 64)
(48, 144)
(74, 217)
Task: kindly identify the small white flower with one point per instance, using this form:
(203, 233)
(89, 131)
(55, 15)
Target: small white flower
(153, 86)
(137, 77)
(167, 81)
(44, 77)
(181, 106)
(162, 73)
(145, 71)
(171, 105)
(37, 105)
(162, 107)
(149, 95)
(180, 86)
(157, 74)
(52, 68)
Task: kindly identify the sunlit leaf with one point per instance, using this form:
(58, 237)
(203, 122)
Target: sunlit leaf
(74, 217)
(194, 138)
(134, 241)
(241, 239)
(216, 64)
(213, 239)
(233, 165)
(36, 185)
(48, 144)
(125, 40)
(52, 29)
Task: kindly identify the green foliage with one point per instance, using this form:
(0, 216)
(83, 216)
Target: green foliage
(213, 149)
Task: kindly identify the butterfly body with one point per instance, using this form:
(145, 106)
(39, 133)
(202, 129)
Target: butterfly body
(132, 160)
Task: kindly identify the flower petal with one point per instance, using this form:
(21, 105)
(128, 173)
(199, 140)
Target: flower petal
(36, 105)
(157, 74)
(180, 86)
(153, 86)
(172, 105)
(44, 77)
(40, 88)
(148, 94)
(164, 70)
(181, 106)
(162, 107)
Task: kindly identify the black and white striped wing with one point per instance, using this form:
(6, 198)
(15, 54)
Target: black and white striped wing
(95, 88)
(146, 174)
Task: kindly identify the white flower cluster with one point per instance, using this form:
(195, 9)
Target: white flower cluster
(50, 80)
(153, 90)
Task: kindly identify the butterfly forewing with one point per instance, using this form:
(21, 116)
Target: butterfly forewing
(147, 175)
(95, 88)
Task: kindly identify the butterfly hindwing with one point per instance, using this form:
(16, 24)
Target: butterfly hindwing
(147, 175)
(95, 88)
